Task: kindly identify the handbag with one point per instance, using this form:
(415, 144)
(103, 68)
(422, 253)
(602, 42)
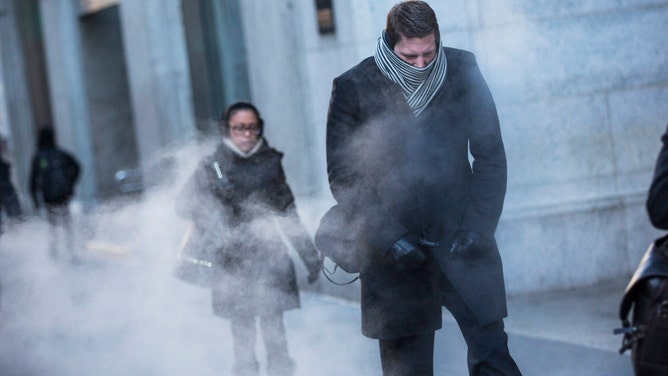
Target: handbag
(196, 259)
(335, 240)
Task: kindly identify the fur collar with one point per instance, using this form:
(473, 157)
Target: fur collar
(230, 145)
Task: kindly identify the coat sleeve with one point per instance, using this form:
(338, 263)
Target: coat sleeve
(300, 239)
(489, 179)
(32, 181)
(346, 171)
(291, 224)
(657, 199)
(74, 168)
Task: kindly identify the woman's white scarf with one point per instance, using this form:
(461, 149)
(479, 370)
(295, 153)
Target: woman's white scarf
(419, 85)
(239, 152)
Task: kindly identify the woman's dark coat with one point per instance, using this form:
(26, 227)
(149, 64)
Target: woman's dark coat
(395, 173)
(239, 202)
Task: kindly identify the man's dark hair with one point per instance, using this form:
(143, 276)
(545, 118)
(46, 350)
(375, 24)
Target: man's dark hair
(412, 19)
(46, 138)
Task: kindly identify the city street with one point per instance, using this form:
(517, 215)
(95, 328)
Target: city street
(118, 311)
(137, 92)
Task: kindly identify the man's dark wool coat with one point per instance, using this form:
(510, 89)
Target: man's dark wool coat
(394, 173)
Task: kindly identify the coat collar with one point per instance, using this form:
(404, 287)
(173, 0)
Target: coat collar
(230, 145)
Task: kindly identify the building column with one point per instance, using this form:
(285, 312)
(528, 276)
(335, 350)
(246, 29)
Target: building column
(16, 118)
(67, 89)
(158, 73)
(278, 87)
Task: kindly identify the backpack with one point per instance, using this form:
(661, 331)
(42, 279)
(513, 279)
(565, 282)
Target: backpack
(58, 174)
(647, 293)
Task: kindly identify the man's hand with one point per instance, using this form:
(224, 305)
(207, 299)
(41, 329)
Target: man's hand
(406, 254)
(467, 242)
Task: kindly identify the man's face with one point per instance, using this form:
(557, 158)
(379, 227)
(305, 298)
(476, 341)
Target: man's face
(418, 52)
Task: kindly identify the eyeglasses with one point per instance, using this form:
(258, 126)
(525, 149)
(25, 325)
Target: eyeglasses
(239, 129)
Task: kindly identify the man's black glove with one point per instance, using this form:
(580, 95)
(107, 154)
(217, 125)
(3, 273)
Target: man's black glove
(406, 254)
(467, 243)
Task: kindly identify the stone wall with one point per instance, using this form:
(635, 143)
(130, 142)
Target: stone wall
(580, 89)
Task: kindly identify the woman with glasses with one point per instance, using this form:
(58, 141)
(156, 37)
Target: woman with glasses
(244, 183)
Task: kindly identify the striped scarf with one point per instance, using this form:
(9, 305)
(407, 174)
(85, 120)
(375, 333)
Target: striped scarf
(418, 84)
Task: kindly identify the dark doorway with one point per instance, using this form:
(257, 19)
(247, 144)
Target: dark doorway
(217, 57)
(108, 98)
(30, 29)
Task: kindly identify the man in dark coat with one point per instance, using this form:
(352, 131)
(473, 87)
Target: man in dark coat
(53, 175)
(400, 128)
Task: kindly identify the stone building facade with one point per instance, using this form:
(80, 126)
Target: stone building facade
(581, 90)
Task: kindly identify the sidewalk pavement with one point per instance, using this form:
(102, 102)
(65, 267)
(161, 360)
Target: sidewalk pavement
(122, 313)
(580, 321)
(584, 316)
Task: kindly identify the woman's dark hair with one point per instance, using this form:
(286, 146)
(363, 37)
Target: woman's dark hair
(412, 19)
(224, 121)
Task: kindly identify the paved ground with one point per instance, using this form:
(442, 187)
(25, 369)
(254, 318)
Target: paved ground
(118, 311)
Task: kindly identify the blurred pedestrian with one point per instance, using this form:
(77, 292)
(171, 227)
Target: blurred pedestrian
(10, 207)
(400, 128)
(53, 175)
(241, 194)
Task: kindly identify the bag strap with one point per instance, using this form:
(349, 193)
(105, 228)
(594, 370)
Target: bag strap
(327, 273)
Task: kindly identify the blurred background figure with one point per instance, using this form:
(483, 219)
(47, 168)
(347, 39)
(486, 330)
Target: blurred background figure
(9, 201)
(650, 283)
(239, 194)
(53, 175)
(657, 200)
(646, 334)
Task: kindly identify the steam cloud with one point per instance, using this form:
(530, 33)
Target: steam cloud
(119, 311)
